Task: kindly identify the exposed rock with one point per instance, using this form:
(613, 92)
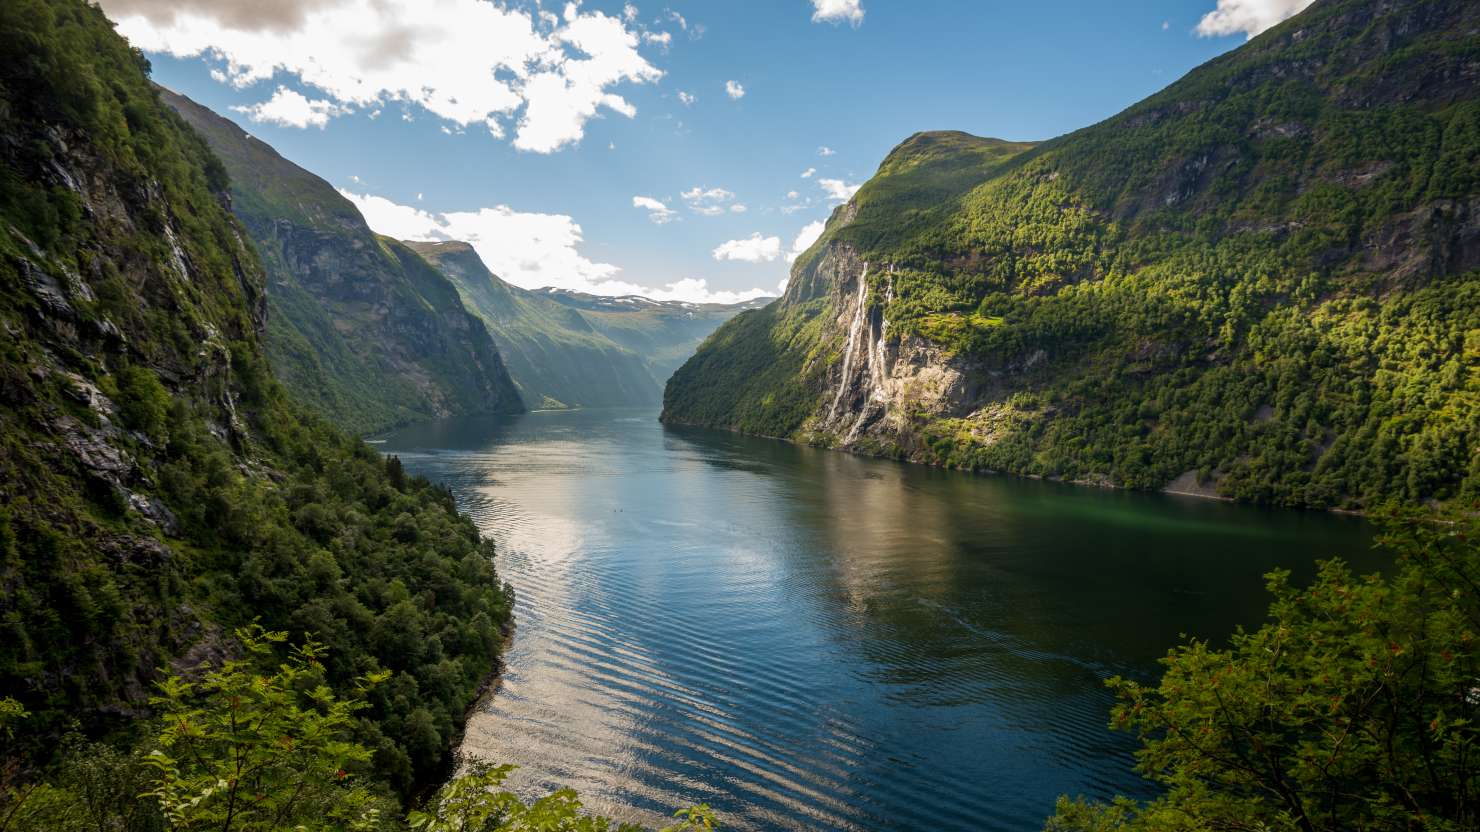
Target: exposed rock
(155, 511)
(1189, 484)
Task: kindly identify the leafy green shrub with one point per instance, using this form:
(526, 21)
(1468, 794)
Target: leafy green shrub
(143, 403)
(260, 744)
(1354, 708)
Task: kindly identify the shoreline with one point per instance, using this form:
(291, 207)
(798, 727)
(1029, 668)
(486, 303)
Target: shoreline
(1168, 490)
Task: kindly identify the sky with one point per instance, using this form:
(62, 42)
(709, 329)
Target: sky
(679, 149)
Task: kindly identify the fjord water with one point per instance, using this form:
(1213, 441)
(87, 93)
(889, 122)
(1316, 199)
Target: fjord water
(808, 639)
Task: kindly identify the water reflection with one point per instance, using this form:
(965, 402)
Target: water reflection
(804, 638)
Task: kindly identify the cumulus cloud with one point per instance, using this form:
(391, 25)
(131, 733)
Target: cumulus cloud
(826, 151)
(837, 11)
(709, 202)
(808, 173)
(805, 238)
(260, 15)
(529, 250)
(290, 108)
(468, 62)
(697, 290)
(735, 90)
(838, 189)
(1248, 16)
(526, 249)
(659, 213)
(687, 99)
(752, 249)
(663, 39)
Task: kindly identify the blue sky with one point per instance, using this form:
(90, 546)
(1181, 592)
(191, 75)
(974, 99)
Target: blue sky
(627, 158)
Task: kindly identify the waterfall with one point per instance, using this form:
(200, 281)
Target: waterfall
(854, 332)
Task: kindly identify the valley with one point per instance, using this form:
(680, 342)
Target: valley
(404, 502)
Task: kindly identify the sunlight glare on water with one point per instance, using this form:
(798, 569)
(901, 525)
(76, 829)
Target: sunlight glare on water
(806, 639)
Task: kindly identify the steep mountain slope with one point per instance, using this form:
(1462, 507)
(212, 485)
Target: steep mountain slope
(568, 349)
(359, 327)
(157, 487)
(1260, 282)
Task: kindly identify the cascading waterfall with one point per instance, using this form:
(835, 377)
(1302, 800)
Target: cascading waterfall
(855, 330)
(877, 358)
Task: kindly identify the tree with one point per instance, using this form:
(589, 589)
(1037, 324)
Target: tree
(254, 746)
(243, 750)
(475, 802)
(1353, 708)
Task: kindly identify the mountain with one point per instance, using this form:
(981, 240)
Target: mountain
(158, 487)
(665, 332)
(359, 326)
(1260, 283)
(568, 349)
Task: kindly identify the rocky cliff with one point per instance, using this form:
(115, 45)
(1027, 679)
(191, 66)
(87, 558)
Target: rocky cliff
(1260, 282)
(361, 328)
(157, 486)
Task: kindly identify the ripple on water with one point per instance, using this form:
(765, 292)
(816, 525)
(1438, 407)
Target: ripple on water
(811, 640)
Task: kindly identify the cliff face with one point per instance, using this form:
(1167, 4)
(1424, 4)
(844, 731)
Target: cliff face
(360, 327)
(158, 488)
(1259, 282)
(567, 349)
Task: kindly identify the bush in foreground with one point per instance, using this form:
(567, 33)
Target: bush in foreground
(1353, 708)
(260, 744)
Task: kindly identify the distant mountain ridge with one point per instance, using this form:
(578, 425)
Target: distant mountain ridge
(1262, 282)
(359, 326)
(571, 349)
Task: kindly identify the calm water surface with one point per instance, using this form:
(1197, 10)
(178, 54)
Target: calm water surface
(806, 639)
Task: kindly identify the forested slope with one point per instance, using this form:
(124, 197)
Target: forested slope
(569, 349)
(157, 486)
(1261, 282)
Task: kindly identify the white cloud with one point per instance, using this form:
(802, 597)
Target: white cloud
(807, 174)
(805, 238)
(738, 208)
(659, 213)
(1248, 16)
(837, 11)
(735, 90)
(826, 151)
(661, 38)
(629, 12)
(687, 99)
(1165, 25)
(838, 189)
(793, 195)
(290, 108)
(708, 202)
(529, 250)
(752, 249)
(468, 62)
(697, 290)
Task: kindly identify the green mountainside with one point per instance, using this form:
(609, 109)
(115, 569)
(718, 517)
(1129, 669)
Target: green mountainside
(359, 327)
(158, 487)
(1260, 282)
(567, 349)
